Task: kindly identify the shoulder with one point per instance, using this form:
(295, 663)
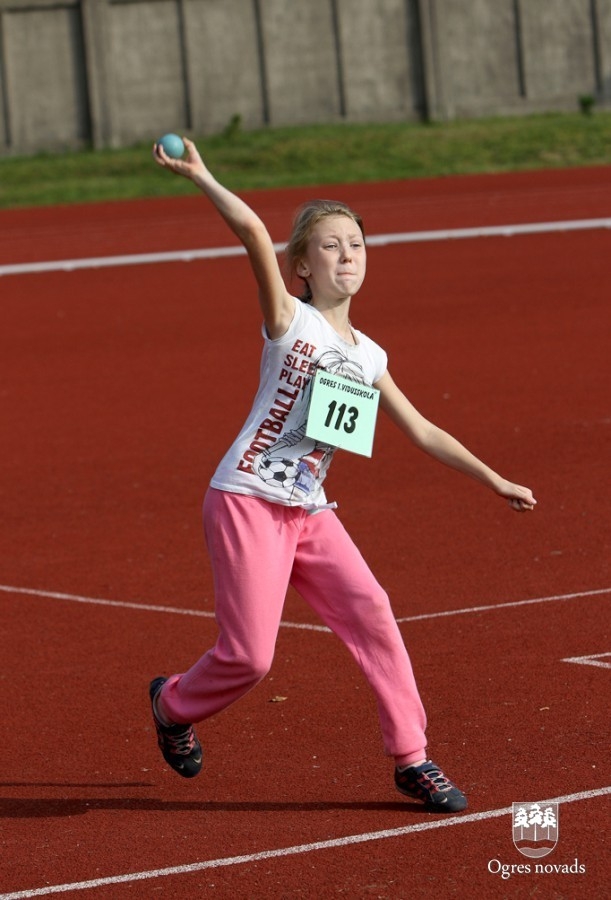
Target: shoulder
(302, 316)
(375, 353)
(368, 342)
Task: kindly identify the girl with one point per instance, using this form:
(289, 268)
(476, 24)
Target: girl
(266, 518)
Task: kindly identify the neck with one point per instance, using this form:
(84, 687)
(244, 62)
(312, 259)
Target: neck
(338, 317)
(336, 311)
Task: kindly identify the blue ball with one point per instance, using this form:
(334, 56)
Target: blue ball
(173, 145)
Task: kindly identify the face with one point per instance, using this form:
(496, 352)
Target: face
(335, 261)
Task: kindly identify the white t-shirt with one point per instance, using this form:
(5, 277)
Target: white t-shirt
(271, 457)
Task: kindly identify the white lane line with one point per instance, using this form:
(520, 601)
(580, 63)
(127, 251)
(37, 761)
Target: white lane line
(295, 850)
(409, 237)
(376, 240)
(476, 609)
(304, 626)
(98, 601)
(593, 660)
(133, 259)
(121, 604)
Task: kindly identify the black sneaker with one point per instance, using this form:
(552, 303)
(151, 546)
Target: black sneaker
(178, 743)
(428, 783)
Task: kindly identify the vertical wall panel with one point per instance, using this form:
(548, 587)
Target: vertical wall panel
(301, 61)
(223, 64)
(558, 49)
(5, 132)
(46, 88)
(602, 14)
(148, 93)
(375, 60)
(475, 66)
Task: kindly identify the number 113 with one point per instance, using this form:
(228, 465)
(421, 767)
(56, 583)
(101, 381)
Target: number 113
(341, 411)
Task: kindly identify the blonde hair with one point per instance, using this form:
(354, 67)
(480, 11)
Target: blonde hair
(306, 219)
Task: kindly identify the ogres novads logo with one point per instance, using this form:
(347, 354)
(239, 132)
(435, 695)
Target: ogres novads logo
(535, 828)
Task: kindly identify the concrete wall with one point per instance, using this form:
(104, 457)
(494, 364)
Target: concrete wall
(114, 72)
(43, 94)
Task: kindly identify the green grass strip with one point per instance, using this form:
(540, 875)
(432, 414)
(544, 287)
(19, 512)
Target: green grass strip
(321, 154)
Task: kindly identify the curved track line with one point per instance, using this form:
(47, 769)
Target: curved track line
(292, 851)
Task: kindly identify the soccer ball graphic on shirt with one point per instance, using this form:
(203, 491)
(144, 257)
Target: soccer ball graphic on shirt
(275, 470)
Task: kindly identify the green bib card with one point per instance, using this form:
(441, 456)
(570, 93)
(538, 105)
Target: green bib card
(343, 413)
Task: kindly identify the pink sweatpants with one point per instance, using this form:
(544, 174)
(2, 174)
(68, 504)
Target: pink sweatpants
(257, 548)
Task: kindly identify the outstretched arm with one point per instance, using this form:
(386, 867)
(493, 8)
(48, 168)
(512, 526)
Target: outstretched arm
(443, 447)
(276, 303)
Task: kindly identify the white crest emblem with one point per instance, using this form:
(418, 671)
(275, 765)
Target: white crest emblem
(535, 828)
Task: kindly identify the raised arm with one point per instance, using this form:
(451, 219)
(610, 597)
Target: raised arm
(276, 302)
(445, 448)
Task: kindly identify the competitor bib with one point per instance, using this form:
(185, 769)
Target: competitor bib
(342, 413)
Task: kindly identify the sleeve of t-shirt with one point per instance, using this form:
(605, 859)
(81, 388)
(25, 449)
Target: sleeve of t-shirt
(293, 327)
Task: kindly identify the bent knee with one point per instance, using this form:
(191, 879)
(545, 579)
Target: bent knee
(249, 670)
(379, 605)
(257, 669)
(379, 618)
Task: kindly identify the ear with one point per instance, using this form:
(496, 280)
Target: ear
(302, 269)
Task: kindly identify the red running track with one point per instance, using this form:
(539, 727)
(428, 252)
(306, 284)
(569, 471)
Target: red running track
(116, 405)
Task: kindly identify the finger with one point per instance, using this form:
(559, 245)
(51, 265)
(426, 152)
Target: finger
(192, 153)
(521, 505)
(159, 154)
(168, 162)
